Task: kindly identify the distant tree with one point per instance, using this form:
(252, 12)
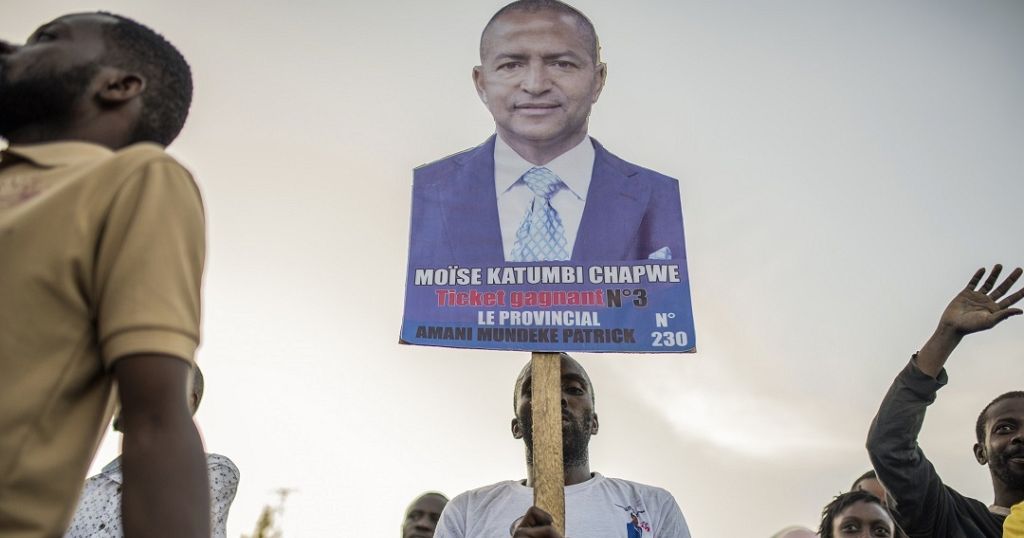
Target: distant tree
(266, 527)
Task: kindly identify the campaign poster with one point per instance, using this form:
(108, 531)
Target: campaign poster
(621, 286)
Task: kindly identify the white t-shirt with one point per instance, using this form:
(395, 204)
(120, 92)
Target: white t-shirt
(598, 508)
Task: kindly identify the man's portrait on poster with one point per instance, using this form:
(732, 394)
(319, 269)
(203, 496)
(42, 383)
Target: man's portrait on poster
(541, 189)
(540, 210)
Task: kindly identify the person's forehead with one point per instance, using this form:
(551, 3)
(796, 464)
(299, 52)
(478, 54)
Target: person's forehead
(571, 370)
(519, 28)
(428, 503)
(866, 510)
(1008, 408)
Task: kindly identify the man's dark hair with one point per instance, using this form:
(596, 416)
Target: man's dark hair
(135, 47)
(979, 428)
(834, 508)
(534, 6)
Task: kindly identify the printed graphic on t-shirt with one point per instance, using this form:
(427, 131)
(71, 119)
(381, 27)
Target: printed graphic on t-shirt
(636, 526)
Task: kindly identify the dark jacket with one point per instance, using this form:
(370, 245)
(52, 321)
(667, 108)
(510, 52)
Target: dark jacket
(926, 508)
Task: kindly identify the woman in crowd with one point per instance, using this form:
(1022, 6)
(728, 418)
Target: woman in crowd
(857, 514)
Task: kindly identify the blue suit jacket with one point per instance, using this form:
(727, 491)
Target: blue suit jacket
(630, 213)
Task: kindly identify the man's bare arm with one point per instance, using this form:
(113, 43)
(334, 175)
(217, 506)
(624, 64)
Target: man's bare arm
(166, 491)
(972, 310)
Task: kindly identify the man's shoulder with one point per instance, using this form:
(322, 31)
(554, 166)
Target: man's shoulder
(947, 513)
(143, 154)
(487, 509)
(970, 508)
(636, 487)
(219, 462)
(135, 163)
(502, 488)
(87, 155)
(447, 160)
(604, 157)
(444, 166)
(628, 483)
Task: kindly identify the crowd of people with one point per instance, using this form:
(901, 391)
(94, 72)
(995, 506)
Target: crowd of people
(88, 105)
(903, 496)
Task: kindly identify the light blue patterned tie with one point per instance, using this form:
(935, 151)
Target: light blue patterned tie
(541, 236)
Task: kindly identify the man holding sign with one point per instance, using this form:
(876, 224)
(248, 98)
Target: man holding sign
(595, 505)
(541, 189)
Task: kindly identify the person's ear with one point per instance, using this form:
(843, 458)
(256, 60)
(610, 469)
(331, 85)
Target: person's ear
(980, 454)
(517, 429)
(602, 74)
(119, 86)
(594, 424)
(478, 83)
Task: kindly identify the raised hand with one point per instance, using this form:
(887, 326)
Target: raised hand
(974, 310)
(536, 524)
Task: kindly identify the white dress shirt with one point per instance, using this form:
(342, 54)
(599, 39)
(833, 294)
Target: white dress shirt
(573, 167)
(98, 514)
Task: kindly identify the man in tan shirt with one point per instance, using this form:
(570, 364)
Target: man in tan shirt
(101, 260)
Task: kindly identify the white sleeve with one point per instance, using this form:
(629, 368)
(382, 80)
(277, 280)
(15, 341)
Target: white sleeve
(672, 524)
(224, 477)
(453, 520)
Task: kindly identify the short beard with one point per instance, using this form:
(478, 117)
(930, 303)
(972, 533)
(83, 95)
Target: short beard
(1001, 469)
(575, 441)
(43, 100)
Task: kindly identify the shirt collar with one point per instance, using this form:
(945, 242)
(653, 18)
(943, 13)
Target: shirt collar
(54, 154)
(112, 470)
(574, 167)
(595, 478)
(999, 510)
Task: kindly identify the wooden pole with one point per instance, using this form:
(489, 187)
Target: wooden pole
(549, 473)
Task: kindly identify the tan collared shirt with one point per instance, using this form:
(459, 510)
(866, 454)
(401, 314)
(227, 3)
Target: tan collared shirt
(101, 257)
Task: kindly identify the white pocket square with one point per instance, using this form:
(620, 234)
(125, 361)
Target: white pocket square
(663, 253)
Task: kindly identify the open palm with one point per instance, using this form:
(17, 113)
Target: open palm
(974, 310)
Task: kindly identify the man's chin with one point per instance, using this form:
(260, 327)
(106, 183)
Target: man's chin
(1011, 473)
(539, 131)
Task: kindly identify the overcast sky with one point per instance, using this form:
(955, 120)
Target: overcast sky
(844, 167)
